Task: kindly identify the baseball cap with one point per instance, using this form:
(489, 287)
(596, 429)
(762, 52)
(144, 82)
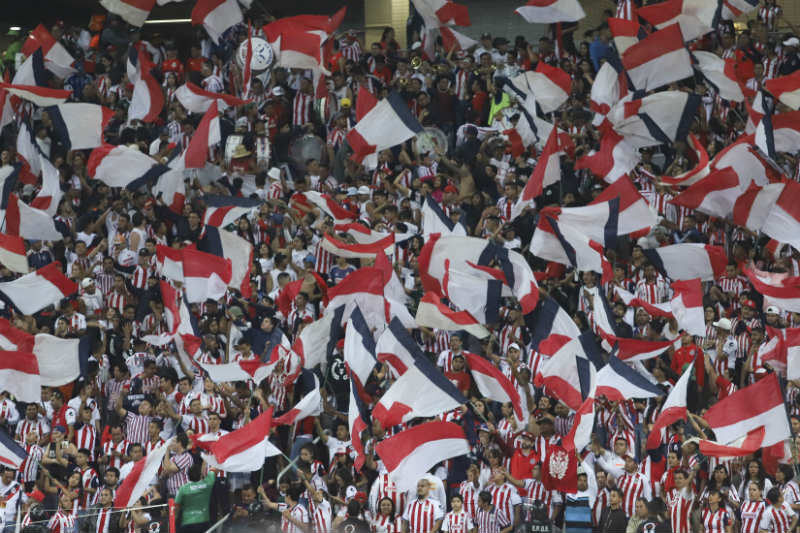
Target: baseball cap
(86, 282)
(352, 191)
(722, 323)
(749, 303)
(515, 346)
(773, 309)
(791, 41)
(363, 190)
(451, 188)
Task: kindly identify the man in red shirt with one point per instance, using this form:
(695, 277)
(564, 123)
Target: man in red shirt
(524, 459)
(458, 376)
(686, 355)
(172, 64)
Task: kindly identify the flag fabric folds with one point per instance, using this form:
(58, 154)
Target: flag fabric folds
(34, 291)
(243, 450)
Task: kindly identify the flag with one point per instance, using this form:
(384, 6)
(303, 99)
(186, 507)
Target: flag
(147, 99)
(434, 220)
(442, 12)
(309, 405)
(409, 454)
(40, 96)
(551, 11)
(358, 250)
(122, 166)
(32, 71)
(205, 136)
(12, 253)
(224, 210)
(310, 199)
(432, 313)
(395, 349)
(205, 276)
(302, 41)
(615, 158)
(134, 12)
(580, 435)
(357, 421)
(577, 250)
(778, 133)
(359, 350)
(311, 344)
(29, 154)
(569, 373)
(12, 455)
(634, 215)
(784, 293)
(49, 196)
(53, 52)
(170, 261)
(772, 210)
(454, 40)
(364, 102)
(247, 74)
(551, 85)
(551, 328)
(198, 100)
(791, 341)
(714, 195)
(387, 124)
(688, 261)
(170, 300)
(687, 306)
(657, 60)
(597, 222)
(239, 251)
(360, 233)
(19, 375)
(760, 404)
(625, 33)
(720, 74)
(13, 339)
(636, 349)
(79, 126)
(421, 391)
(140, 477)
(245, 449)
(216, 16)
(771, 353)
(732, 9)
(619, 382)
(546, 172)
(661, 117)
(746, 161)
(672, 410)
(699, 171)
(610, 84)
(694, 18)
(170, 186)
(493, 384)
(363, 288)
(786, 89)
(560, 470)
(743, 446)
(60, 360)
(33, 292)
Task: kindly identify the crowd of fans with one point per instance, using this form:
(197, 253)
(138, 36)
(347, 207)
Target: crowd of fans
(83, 439)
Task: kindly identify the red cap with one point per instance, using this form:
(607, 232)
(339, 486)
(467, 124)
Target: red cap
(749, 303)
(451, 188)
(36, 495)
(360, 496)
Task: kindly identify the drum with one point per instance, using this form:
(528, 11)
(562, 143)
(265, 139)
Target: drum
(429, 138)
(308, 146)
(262, 55)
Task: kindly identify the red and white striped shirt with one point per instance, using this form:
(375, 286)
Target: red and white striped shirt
(89, 480)
(422, 515)
(40, 426)
(86, 437)
(136, 427)
(459, 522)
(104, 518)
(386, 524)
(184, 462)
(149, 446)
(491, 520)
(300, 514)
(385, 488)
(504, 497)
(751, 515)
(633, 486)
(469, 495)
(30, 466)
(116, 300)
(715, 521)
(775, 520)
(626, 9)
(322, 517)
(301, 109)
(198, 424)
(121, 447)
(680, 507)
(61, 522)
(139, 279)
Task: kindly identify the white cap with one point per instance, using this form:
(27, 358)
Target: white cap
(515, 346)
(277, 91)
(86, 282)
(791, 41)
(773, 309)
(723, 323)
(363, 190)
(350, 493)
(274, 173)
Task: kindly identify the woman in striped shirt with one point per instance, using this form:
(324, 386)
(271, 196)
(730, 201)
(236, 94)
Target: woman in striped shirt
(386, 520)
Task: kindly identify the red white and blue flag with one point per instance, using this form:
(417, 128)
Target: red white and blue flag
(688, 261)
(12, 253)
(134, 12)
(239, 251)
(122, 166)
(657, 60)
(205, 276)
(198, 100)
(224, 210)
(216, 16)
(205, 136)
(19, 375)
(243, 450)
(619, 382)
(387, 124)
(79, 126)
(432, 313)
(493, 384)
(672, 410)
(33, 292)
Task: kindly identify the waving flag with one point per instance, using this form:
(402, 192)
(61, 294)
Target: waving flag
(224, 210)
(12, 455)
(619, 382)
(411, 453)
(578, 251)
(205, 136)
(311, 344)
(634, 215)
(309, 405)
(597, 222)
(778, 133)
(625, 33)
(672, 410)
(421, 391)
(773, 210)
(551, 11)
(443, 12)
(569, 373)
(610, 84)
(637, 349)
(245, 449)
(580, 435)
(687, 306)
(121, 166)
(786, 89)
(435, 221)
(19, 375)
(147, 100)
(396, 349)
(432, 313)
(714, 195)
(546, 172)
(688, 261)
(784, 293)
(198, 100)
(760, 404)
(53, 51)
(661, 117)
(310, 199)
(550, 85)
(358, 251)
(732, 9)
(41, 96)
(140, 477)
(359, 349)
(493, 384)
(791, 342)
(748, 164)
(32, 71)
(12, 254)
(362, 288)
(613, 160)
(134, 12)
(302, 41)
(216, 16)
(357, 421)
(205, 276)
(387, 124)
(721, 74)
(33, 292)
(453, 40)
(657, 60)
(239, 251)
(694, 18)
(79, 126)
(169, 297)
(552, 328)
(60, 360)
(13, 339)
(49, 196)
(19, 219)
(741, 447)
(698, 172)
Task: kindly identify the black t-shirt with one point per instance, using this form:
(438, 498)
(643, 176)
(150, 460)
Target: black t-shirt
(356, 525)
(653, 526)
